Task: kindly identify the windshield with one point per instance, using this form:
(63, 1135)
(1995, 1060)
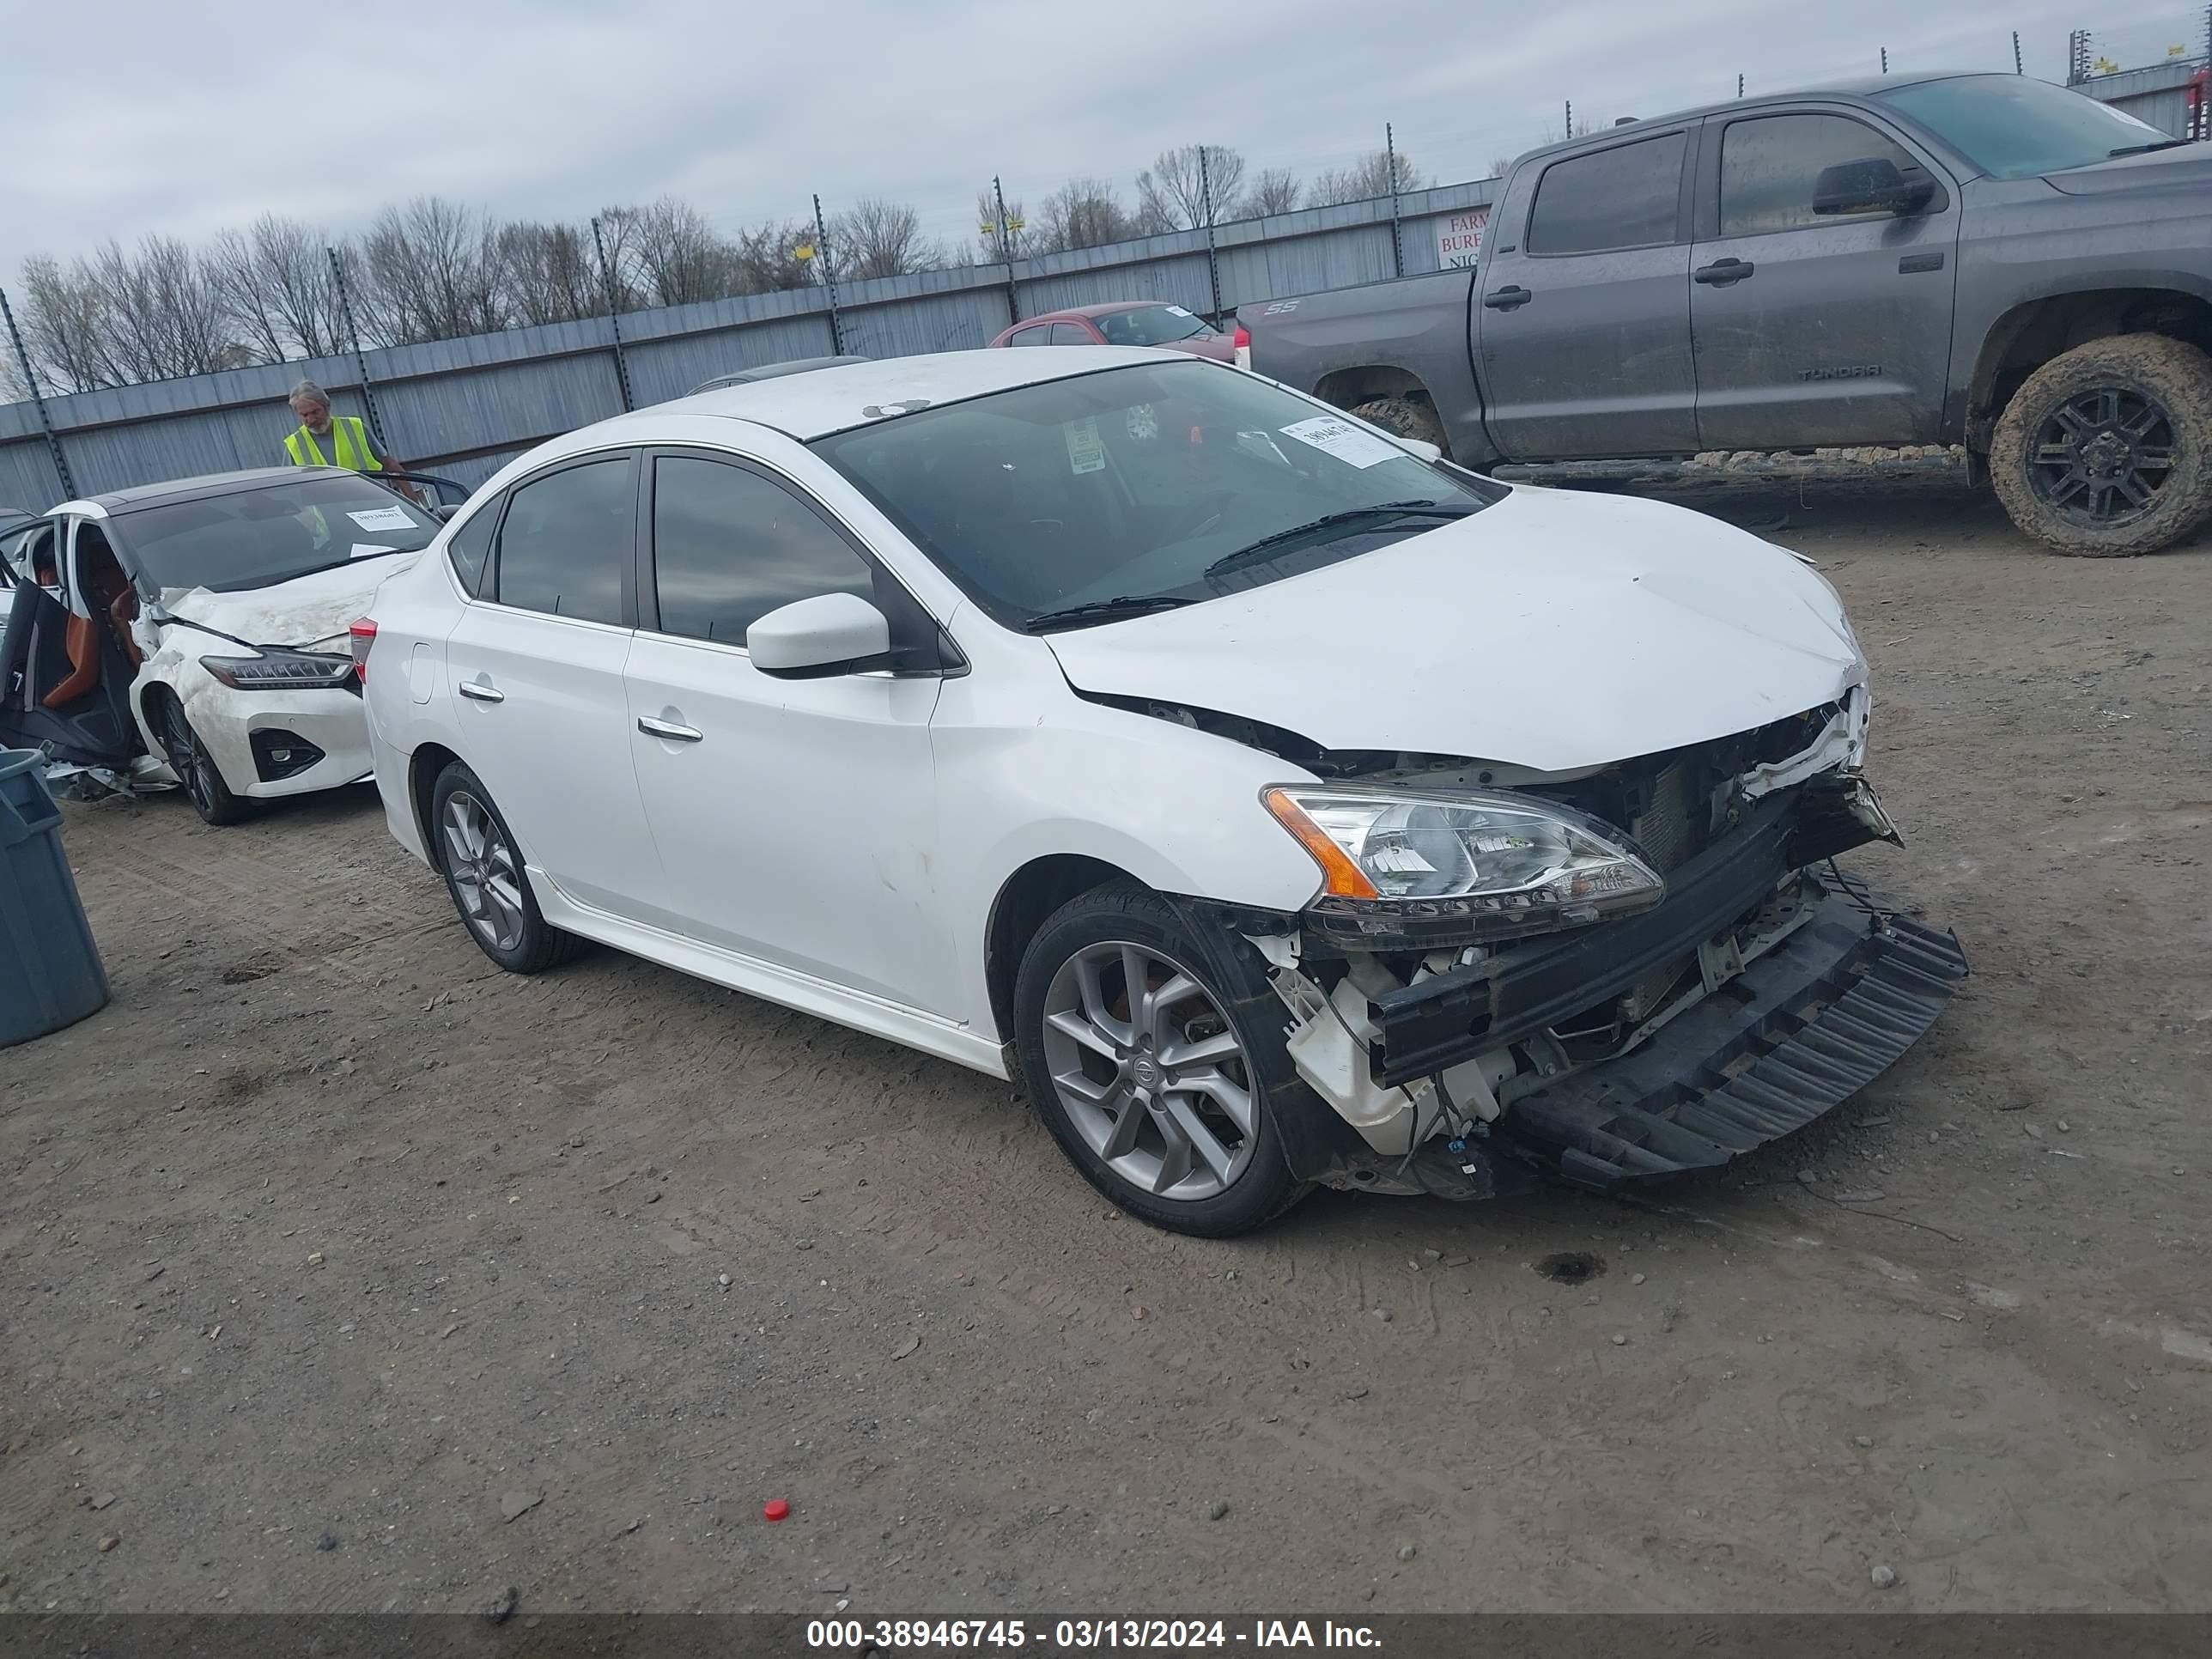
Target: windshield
(2012, 127)
(259, 537)
(1156, 482)
(1149, 325)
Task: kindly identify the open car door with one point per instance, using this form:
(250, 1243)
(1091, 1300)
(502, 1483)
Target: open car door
(64, 674)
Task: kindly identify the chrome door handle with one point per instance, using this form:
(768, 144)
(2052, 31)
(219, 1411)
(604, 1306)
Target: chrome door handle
(674, 733)
(479, 692)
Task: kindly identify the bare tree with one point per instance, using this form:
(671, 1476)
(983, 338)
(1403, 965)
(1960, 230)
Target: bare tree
(767, 261)
(1499, 165)
(1274, 189)
(1174, 193)
(433, 273)
(164, 314)
(676, 257)
(1082, 213)
(876, 237)
(1365, 179)
(275, 279)
(549, 273)
(65, 317)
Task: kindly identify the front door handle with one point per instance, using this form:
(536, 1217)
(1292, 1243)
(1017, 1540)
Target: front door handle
(1504, 299)
(481, 691)
(1721, 272)
(668, 729)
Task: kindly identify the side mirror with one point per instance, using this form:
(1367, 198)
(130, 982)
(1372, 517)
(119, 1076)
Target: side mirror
(813, 639)
(444, 511)
(1875, 185)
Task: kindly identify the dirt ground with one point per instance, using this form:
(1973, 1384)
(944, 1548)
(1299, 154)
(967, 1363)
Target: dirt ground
(326, 1245)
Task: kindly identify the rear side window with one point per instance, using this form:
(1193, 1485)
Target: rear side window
(1071, 334)
(1028, 337)
(1622, 197)
(1770, 166)
(729, 546)
(471, 545)
(566, 539)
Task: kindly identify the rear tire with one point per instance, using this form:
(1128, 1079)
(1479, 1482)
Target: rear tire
(477, 854)
(197, 775)
(2105, 451)
(1409, 418)
(1179, 1123)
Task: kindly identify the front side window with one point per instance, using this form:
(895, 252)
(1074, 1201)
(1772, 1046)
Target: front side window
(1150, 325)
(2013, 127)
(250, 539)
(1770, 165)
(729, 546)
(1622, 198)
(565, 540)
(1153, 485)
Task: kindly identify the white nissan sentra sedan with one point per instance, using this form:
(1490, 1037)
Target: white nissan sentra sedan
(1281, 806)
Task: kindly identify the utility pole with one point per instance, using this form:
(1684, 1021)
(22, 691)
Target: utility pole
(828, 278)
(39, 401)
(1397, 226)
(1213, 254)
(1006, 252)
(359, 357)
(614, 322)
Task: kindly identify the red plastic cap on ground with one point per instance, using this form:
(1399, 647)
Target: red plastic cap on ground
(776, 1509)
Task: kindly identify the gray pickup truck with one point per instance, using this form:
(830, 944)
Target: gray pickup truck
(1983, 259)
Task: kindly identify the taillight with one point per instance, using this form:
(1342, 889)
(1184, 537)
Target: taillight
(362, 632)
(1242, 341)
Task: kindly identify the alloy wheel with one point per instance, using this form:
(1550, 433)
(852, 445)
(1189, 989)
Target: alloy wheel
(186, 758)
(487, 877)
(2102, 456)
(1150, 1071)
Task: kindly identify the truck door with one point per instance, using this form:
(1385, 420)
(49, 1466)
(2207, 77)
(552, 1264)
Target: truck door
(1821, 284)
(1583, 322)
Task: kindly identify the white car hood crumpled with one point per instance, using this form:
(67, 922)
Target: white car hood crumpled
(1553, 631)
(308, 610)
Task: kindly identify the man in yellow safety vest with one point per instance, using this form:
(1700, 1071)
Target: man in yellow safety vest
(323, 439)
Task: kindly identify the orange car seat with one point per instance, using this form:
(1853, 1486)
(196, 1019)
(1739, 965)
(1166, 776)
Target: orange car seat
(109, 595)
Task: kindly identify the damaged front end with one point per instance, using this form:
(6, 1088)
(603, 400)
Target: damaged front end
(1647, 967)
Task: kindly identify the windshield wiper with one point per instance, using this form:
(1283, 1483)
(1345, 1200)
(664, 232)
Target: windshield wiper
(1384, 511)
(1124, 605)
(2145, 150)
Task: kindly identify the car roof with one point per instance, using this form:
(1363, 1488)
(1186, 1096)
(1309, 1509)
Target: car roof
(1104, 308)
(847, 395)
(772, 371)
(1859, 89)
(211, 484)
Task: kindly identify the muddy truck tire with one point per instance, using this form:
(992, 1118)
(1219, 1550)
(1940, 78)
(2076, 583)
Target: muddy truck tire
(1407, 418)
(2105, 451)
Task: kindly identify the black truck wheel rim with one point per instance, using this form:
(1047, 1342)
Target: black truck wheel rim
(2102, 455)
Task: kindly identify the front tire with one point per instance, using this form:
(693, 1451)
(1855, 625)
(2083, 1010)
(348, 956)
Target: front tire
(1409, 418)
(1136, 1047)
(197, 772)
(2105, 451)
(483, 871)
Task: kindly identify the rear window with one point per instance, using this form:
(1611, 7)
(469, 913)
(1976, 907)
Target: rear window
(1150, 325)
(252, 538)
(1622, 198)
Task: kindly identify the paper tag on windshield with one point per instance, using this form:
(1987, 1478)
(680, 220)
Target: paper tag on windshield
(383, 518)
(1084, 452)
(366, 550)
(1178, 310)
(1346, 441)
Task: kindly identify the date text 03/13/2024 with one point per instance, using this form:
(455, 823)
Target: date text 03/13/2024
(1081, 1635)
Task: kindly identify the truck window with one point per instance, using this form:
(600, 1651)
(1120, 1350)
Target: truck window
(1622, 198)
(1770, 165)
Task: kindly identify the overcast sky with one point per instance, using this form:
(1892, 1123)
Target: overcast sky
(133, 116)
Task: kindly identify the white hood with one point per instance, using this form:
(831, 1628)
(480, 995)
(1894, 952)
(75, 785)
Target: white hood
(307, 611)
(1553, 631)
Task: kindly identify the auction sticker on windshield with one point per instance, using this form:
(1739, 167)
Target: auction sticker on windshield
(1084, 452)
(1344, 441)
(383, 518)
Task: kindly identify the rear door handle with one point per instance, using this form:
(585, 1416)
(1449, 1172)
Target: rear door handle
(1721, 272)
(1504, 299)
(668, 729)
(481, 691)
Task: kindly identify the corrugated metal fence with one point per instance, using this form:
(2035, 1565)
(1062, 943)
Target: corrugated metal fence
(2159, 95)
(465, 407)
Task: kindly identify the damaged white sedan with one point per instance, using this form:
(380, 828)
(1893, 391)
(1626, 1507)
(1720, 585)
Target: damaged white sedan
(193, 633)
(1280, 805)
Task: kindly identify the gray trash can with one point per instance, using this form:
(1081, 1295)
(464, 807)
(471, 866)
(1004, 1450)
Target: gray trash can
(50, 971)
